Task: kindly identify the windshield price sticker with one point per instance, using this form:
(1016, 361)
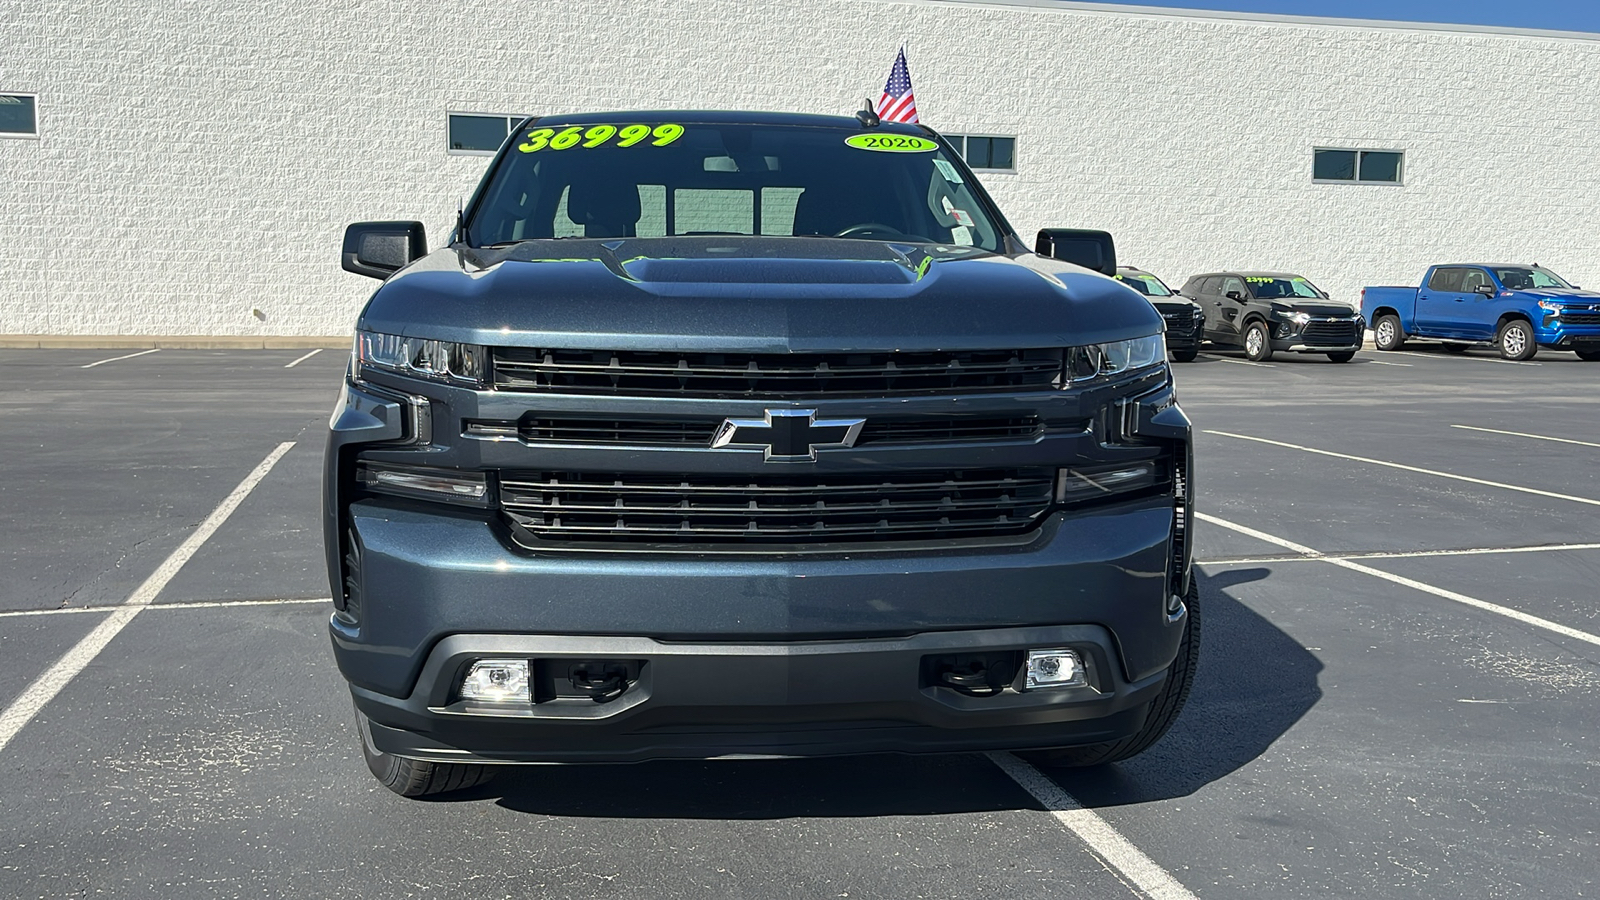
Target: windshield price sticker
(588, 137)
(891, 143)
(1257, 279)
(948, 171)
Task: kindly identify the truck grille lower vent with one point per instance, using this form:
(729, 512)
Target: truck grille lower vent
(1583, 318)
(705, 509)
(787, 375)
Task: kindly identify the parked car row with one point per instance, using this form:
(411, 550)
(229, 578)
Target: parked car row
(1261, 313)
(1516, 309)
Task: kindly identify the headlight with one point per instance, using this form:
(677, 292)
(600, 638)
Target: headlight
(1114, 358)
(421, 358)
(1550, 306)
(424, 483)
(1299, 318)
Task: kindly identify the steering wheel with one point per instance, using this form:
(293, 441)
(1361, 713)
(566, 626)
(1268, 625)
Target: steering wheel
(866, 228)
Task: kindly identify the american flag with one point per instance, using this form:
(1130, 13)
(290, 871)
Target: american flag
(898, 104)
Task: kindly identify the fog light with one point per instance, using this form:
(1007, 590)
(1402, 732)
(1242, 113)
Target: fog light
(1055, 668)
(497, 681)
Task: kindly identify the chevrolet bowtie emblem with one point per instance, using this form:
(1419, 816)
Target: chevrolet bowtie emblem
(788, 435)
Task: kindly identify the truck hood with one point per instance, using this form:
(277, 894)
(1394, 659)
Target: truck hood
(753, 295)
(1566, 295)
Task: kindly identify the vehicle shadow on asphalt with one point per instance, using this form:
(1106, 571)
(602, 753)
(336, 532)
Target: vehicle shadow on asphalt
(1253, 683)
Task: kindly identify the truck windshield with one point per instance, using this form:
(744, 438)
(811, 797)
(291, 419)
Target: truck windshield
(1272, 287)
(1523, 278)
(1144, 283)
(629, 179)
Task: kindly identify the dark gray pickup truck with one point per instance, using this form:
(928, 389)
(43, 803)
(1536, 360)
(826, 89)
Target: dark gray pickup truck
(736, 434)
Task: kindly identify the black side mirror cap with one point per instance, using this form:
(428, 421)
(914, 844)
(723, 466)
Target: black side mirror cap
(1085, 247)
(1488, 290)
(380, 249)
(1234, 295)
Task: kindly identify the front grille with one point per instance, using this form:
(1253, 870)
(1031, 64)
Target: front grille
(1581, 318)
(788, 375)
(1330, 334)
(1178, 319)
(722, 509)
(595, 431)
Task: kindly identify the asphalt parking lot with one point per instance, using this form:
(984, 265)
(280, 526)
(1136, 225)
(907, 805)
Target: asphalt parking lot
(1397, 692)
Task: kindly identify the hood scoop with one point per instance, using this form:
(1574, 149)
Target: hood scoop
(743, 270)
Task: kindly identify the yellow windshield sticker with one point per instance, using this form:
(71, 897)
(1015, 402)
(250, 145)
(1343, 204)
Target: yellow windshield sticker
(588, 137)
(891, 143)
(1257, 279)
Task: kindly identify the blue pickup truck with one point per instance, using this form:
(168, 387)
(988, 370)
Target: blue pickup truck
(1517, 308)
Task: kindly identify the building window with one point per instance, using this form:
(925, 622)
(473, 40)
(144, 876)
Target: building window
(1369, 166)
(987, 152)
(479, 134)
(18, 117)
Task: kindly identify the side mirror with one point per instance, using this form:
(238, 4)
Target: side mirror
(1234, 295)
(1488, 290)
(1080, 246)
(380, 249)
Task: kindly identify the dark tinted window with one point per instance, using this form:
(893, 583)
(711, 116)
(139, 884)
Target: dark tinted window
(986, 151)
(1472, 279)
(1334, 165)
(17, 114)
(1212, 285)
(484, 133)
(1232, 283)
(1447, 280)
(636, 180)
(1377, 165)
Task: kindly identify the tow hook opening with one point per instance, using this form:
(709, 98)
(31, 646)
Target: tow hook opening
(973, 674)
(599, 680)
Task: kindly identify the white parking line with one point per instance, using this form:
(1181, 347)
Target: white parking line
(1379, 362)
(1242, 362)
(1504, 362)
(1485, 605)
(1107, 843)
(203, 604)
(1405, 554)
(1394, 465)
(1537, 437)
(303, 358)
(46, 686)
(115, 358)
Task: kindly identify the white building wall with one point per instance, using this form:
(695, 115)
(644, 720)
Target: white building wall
(198, 161)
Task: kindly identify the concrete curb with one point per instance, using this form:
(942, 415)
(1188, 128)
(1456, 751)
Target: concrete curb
(167, 342)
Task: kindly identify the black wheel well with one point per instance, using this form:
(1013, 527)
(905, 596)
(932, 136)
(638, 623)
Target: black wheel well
(1512, 317)
(1385, 311)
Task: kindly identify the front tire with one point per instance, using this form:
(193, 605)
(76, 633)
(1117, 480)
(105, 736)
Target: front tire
(1516, 341)
(1164, 709)
(1387, 334)
(1345, 356)
(1184, 355)
(413, 777)
(1257, 342)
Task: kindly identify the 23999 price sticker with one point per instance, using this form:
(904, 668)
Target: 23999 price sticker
(592, 136)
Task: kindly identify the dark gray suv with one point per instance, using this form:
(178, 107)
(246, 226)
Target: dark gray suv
(1263, 313)
(720, 434)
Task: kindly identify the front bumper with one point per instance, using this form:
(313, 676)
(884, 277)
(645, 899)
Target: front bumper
(1558, 335)
(700, 700)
